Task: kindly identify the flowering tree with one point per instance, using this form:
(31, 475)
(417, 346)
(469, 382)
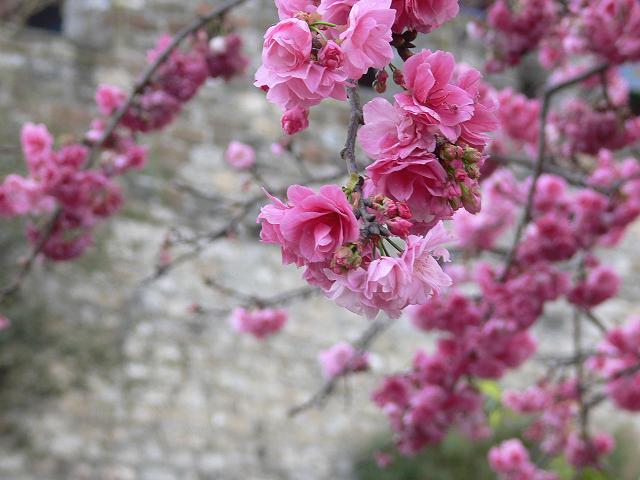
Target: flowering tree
(418, 227)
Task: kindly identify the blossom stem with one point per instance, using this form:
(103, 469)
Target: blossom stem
(315, 29)
(383, 248)
(394, 245)
(321, 23)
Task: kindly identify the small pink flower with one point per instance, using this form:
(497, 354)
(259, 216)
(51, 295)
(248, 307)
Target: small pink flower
(599, 285)
(225, 57)
(510, 456)
(19, 196)
(37, 144)
(259, 323)
(240, 155)
(295, 120)
(341, 359)
(418, 180)
(109, 98)
(427, 276)
(304, 87)
(366, 40)
(582, 453)
(4, 322)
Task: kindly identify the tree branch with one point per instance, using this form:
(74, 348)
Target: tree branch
(195, 25)
(348, 153)
(540, 157)
(361, 345)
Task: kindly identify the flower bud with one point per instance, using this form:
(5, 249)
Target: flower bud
(345, 258)
(403, 210)
(398, 77)
(380, 83)
(389, 208)
(471, 156)
(470, 198)
(399, 227)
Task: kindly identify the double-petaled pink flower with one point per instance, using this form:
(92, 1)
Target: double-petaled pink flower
(431, 98)
(312, 226)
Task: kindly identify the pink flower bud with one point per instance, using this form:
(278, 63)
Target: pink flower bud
(403, 210)
(398, 77)
(345, 258)
(295, 120)
(399, 227)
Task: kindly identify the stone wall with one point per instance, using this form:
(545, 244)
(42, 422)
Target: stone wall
(185, 397)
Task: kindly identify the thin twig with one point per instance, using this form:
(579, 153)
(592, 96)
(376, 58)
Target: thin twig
(361, 345)
(348, 153)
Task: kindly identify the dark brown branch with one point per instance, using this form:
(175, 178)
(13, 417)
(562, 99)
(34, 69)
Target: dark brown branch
(114, 121)
(249, 300)
(572, 178)
(540, 157)
(361, 345)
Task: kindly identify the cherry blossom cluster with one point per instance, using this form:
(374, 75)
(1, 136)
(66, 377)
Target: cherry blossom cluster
(318, 49)
(261, 323)
(487, 335)
(342, 359)
(553, 407)
(77, 185)
(510, 460)
(618, 361)
(608, 29)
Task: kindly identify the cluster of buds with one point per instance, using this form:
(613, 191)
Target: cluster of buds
(395, 214)
(346, 258)
(380, 82)
(402, 42)
(462, 164)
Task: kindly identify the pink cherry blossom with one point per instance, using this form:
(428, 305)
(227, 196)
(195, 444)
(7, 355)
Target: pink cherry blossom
(225, 58)
(240, 156)
(259, 323)
(289, 8)
(37, 144)
(295, 120)
(342, 359)
(387, 131)
(418, 180)
(431, 98)
(336, 11)
(313, 226)
(612, 29)
(109, 98)
(423, 16)
(366, 40)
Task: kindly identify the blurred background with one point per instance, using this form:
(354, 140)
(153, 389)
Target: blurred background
(104, 377)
